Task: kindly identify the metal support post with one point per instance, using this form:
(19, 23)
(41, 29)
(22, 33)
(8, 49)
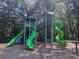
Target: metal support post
(24, 34)
(29, 26)
(52, 35)
(36, 30)
(46, 29)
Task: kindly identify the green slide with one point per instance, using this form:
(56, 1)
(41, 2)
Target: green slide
(29, 41)
(59, 32)
(12, 41)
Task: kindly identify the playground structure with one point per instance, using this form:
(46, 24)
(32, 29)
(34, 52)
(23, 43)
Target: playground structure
(32, 27)
(26, 41)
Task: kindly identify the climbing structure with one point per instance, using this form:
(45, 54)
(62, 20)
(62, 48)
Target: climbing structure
(59, 32)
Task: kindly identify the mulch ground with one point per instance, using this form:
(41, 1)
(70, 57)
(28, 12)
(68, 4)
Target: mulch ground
(19, 52)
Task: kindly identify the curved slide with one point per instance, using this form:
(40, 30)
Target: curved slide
(60, 34)
(29, 41)
(13, 40)
(59, 37)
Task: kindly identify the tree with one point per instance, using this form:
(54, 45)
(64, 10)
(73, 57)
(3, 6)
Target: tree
(11, 17)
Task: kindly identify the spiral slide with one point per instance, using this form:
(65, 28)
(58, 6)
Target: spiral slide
(29, 42)
(13, 40)
(59, 33)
